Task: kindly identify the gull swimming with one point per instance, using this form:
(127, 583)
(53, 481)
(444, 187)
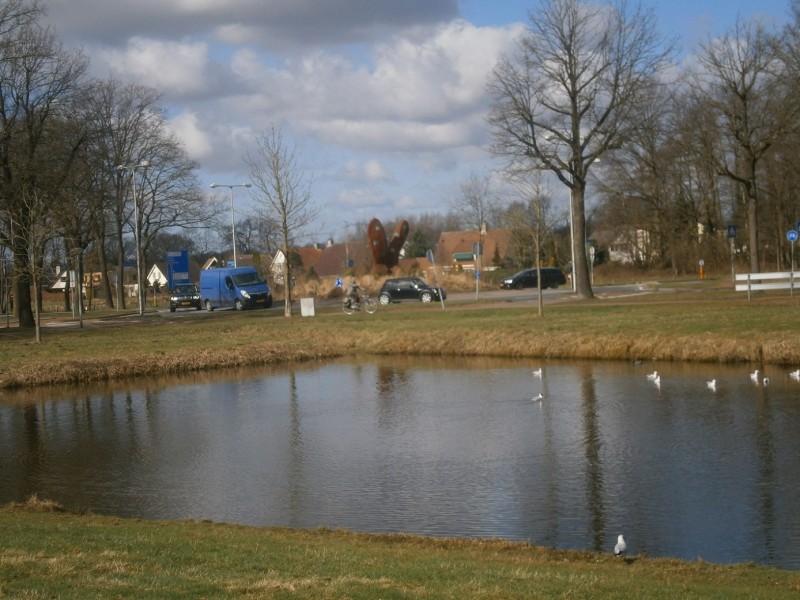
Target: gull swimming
(754, 376)
(621, 547)
(795, 375)
(765, 381)
(537, 398)
(537, 373)
(712, 385)
(652, 376)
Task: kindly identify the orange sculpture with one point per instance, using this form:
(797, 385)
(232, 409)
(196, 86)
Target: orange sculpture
(386, 253)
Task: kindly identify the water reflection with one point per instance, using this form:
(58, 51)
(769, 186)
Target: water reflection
(433, 446)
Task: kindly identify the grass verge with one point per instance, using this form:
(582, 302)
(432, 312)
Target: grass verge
(708, 326)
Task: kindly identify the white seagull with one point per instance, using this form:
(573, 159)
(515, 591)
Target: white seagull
(765, 381)
(621, 547)
(795, 375)
(537, 398)
(712, 385)
(754, 376)
(537, 373)
(657, 381)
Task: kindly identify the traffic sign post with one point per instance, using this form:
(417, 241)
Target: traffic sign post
(791, 235)
(732, 238)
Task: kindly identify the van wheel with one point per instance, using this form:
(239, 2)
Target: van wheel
(238, 304)
(209, 307)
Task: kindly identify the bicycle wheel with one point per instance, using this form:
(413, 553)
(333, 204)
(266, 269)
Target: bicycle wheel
(347, 307)
(369, 305)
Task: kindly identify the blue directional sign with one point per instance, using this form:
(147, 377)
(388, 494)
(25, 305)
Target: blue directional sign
(177, 267)
(791, 235)
(338, 282)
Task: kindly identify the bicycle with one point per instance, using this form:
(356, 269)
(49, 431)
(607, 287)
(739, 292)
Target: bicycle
(368, 304)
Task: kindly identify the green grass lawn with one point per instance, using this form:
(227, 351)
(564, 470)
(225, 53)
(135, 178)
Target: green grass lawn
(45, 553)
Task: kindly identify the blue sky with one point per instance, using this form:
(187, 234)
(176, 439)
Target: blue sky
(384, 99)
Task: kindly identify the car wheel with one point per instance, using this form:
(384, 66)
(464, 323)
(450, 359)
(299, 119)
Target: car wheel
(426, 297)
(237, 304)
(171, 309)
(268, 303)
(517, 285)
(385, 299)
(209, 306)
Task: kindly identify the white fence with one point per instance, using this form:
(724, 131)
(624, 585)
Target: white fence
(785, 280)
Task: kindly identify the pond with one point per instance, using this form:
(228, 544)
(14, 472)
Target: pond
(442, 447)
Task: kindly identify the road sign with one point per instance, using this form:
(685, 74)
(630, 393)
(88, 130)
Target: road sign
(791, 235)
(177, 267)
(338, 282)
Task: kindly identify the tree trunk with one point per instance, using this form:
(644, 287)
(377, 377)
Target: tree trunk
(752, 225)
(287, 285)
(103, 266)
(580, 270)
(22, 288)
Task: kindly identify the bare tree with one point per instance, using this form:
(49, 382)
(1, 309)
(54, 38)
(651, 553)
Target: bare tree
(745, 92)
(476, 205)
(529, 219)
(283, 194)
(566, 97)
(37, 80)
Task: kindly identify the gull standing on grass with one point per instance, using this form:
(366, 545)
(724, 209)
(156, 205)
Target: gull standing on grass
(621, 548)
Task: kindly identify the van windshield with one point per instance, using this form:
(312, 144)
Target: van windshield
(245, 279)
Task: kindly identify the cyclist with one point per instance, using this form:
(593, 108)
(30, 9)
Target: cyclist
(351, 296)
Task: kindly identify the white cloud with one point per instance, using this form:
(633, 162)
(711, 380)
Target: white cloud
(368, 171)
(195, 140)
(172, 68)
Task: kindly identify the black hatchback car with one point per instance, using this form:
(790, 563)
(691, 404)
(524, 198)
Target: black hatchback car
(408, 288)
(184, 296)
(551, 278)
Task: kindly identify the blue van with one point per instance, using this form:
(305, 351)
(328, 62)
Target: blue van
(234, 287)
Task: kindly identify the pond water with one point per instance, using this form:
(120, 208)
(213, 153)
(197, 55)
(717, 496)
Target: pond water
(439, 447)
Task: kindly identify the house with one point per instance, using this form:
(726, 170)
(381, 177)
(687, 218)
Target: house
(455, 249)
(338, 259)
(156, 278)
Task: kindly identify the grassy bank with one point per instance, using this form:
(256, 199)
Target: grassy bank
(715, 326)
(46, 553)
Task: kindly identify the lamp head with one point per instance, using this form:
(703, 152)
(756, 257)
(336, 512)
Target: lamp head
(248, 184)
(213, 185)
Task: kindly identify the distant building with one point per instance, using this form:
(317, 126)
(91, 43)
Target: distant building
(455, 249)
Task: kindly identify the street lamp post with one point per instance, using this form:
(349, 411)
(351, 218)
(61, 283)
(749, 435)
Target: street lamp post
(233, 214)
(132, 168)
